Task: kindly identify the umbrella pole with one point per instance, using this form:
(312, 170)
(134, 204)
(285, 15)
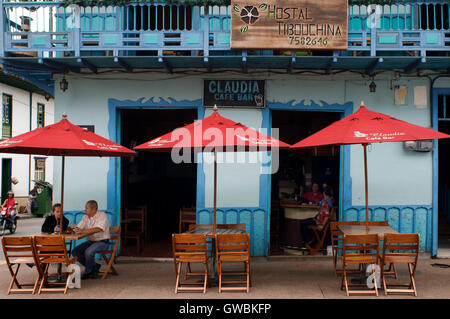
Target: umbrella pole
(366, 187)
(215, 190)
(62, 194)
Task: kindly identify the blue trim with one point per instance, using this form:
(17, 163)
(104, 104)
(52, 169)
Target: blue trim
(435, 200)
(114, 107)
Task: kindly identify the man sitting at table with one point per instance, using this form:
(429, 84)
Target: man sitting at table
(319, 220)
(96, 226)
(314, 196)
(51, 223)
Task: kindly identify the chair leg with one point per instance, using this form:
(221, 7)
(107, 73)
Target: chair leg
(177, 283)
(413, 283)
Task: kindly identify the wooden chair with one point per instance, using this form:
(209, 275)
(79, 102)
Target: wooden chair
(114, 241)
(359, 249)
(187, 217)
(391, 270)
(336, 242)
(400, 249)
(51, 250)
(190, 248)
(320, 235)
(134, 226)
(19, 251)
(233, 248)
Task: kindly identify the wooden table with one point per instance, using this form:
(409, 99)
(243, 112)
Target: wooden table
(361, 230)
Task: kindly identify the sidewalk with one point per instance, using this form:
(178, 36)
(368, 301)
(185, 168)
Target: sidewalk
(287, 278)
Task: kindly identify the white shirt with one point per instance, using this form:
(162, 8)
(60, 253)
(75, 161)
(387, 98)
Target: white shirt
(100, 220)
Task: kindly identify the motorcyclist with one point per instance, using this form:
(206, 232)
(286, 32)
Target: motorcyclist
(9, 203)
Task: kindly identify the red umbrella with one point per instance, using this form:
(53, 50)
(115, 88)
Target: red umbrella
(63, 139)
(214, 133)
(364, 127)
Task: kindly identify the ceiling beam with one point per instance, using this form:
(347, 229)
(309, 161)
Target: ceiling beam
(330, 65)
(25, 76)
(413, 66)
(208, 64)
(166, 65)
(291, 63)
(373, 66)
(29, 66)
(87, 64)
(123, 64)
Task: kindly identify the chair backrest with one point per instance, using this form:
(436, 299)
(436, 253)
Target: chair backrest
(356, 245)
(114, 232)
(199, 226)
(50, 246)
(188, 215)
(192, 244)
(233, 243)
(241, 227)
(18, 247)
(135, 216)
(401, 245)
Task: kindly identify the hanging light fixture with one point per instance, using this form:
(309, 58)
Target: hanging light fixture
(64, 85)
(372, 86)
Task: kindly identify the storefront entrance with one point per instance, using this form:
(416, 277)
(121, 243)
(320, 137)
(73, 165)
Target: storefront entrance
(444, 174)
(298, 171)
(153, 182)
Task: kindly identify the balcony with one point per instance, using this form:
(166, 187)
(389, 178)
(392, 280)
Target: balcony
(46, 36)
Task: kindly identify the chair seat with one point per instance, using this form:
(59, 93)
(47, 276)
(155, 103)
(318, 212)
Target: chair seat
(399, 259)
(360, 259)
(55, 260)
(191, 258)
(233, 257)
(22, 260)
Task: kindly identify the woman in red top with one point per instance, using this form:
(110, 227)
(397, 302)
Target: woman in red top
(10, 201)
(319, 220)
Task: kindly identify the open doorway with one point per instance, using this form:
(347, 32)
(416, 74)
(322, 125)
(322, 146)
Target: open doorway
(153, 181)
(444, 174)
(299, 169)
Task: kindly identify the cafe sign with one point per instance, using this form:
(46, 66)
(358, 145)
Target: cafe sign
(289, 24)
(234, 93)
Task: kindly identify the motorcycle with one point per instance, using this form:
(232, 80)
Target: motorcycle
(8, 220)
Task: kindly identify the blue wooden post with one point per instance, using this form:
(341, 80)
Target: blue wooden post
(206, 33)
(2, 29)
(373, 33)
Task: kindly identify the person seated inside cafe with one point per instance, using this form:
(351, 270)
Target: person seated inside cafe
(319, 220)
(51, 223)
(299, 195)
(95, 226)
(327, 184)
(314, 196)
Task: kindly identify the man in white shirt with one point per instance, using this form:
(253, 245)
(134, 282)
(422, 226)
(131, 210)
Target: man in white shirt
(94, 224)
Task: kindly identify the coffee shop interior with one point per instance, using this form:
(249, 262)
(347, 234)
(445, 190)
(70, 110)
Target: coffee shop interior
(298, 171)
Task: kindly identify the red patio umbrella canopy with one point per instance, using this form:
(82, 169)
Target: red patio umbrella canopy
(364, 127)
(213, 133)
(63, 139)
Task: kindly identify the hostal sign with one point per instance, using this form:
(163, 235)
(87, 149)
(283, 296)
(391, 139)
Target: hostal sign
(241, 93)
(289, 24)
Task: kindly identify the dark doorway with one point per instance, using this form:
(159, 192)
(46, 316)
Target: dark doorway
(444, 186)
(300, 167)
(153, 180)
(6, 177)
